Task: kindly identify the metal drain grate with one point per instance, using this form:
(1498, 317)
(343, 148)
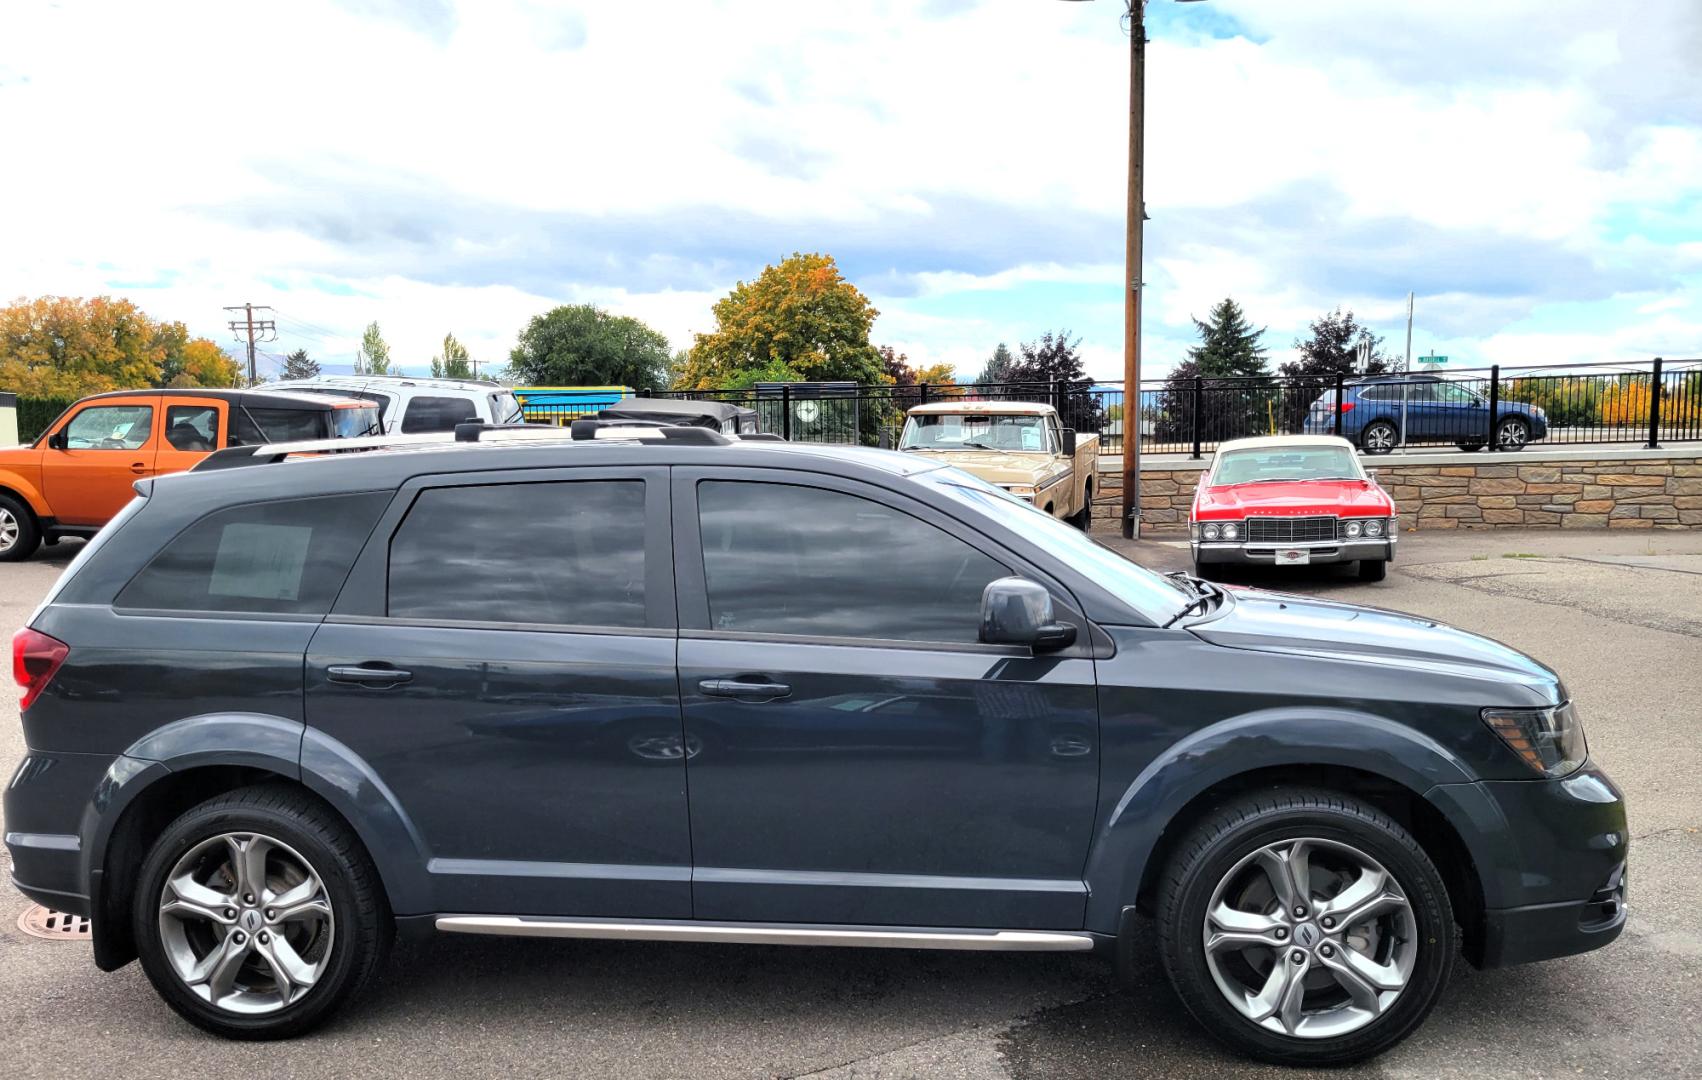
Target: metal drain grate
(50, 925)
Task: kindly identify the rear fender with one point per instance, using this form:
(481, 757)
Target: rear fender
(1253, 741)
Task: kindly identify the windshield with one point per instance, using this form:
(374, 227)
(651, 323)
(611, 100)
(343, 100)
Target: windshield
(973, 431)
(348, 423)
(1265, 464)
(504, 408)
(1155, 596)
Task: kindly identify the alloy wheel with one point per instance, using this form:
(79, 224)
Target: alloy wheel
(1310, 938)
(8, 529)
(1513, 434)
(1380, 438)
(246, 923)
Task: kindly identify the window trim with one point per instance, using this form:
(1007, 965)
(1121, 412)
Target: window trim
(365, 594)
(693, 590)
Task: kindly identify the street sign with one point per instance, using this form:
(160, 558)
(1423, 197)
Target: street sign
(1433, 359)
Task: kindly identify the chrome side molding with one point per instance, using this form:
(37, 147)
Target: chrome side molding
(865, 937)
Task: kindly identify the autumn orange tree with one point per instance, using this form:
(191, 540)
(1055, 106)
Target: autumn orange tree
(799, 320)
(66, 347)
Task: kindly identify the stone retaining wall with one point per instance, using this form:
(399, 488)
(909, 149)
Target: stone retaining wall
(1564, 489)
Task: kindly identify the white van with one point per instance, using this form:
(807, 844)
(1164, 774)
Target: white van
(407, 405)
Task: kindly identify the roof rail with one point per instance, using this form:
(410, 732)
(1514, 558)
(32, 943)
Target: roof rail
(644, 431)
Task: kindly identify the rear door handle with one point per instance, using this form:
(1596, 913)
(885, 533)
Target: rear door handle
(745, 690)
(362, 675)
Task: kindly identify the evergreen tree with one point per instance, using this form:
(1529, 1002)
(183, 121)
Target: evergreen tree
(998, 367)
(297, 365)
(1236, 398)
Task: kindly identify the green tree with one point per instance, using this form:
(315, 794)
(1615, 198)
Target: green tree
(453, 362)
(297, 365)
(1051, 364)
(800, 318)
(583, 345)
(374, 356)
(998, 367)
(1334, 347)
(1236, 398)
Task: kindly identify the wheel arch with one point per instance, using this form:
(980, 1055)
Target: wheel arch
(14, 485)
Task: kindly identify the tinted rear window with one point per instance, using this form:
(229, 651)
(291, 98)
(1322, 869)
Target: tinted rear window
(569, 553)
(249, 425)
(438, 413)
(289, 557)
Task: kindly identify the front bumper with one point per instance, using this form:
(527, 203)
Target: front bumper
(1263, 554)
(1552, 858)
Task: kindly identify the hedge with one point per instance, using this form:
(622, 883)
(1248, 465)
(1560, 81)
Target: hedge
(34, 414)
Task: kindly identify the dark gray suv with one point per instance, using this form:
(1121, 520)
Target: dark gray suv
(681, 687)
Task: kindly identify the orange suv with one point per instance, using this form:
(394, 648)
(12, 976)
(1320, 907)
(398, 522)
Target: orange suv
(79, 474)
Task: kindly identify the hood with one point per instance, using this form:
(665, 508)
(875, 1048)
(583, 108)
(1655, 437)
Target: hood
(1274, 622)
(998, 466)
(1357, 498)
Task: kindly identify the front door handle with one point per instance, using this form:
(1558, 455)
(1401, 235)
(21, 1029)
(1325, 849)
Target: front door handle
(138, 467)
(362, 675)
(745, 690)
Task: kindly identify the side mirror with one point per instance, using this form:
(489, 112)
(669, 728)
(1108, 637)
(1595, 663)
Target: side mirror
(57, 440)
(1016, 611)
(1070, 441)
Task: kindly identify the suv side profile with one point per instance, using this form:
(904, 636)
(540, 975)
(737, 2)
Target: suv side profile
(664, 685)
(79, 473)
(413, 406)
(1430, 409)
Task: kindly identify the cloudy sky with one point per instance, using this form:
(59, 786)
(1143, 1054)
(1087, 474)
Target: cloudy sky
(1532, 169)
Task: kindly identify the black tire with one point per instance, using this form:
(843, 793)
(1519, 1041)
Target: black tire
(1512, 433)
(20, 533)
(1373, 569)
(1084, 520)
(1470, 447)
(1211, 852)
(1379, 437)
(363, 925)
(1208, 571)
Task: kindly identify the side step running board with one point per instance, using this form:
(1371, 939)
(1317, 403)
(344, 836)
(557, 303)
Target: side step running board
(867, 937)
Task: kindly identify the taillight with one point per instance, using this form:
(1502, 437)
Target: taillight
(1347, 406)
(35, 658)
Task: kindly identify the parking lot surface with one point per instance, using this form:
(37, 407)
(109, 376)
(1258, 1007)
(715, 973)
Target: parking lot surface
(1620, 616)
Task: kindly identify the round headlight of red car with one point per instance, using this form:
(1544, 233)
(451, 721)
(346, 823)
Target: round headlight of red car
(1230, 531)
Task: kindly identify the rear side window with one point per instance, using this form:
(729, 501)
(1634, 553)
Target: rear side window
(250, 426)
(568, 553)
(438, 413)
(288, 557)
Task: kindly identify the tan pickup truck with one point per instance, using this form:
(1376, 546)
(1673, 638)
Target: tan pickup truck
(1018, 445)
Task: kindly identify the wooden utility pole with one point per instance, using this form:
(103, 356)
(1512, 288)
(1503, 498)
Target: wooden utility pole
(1131, 516)
(256, 329)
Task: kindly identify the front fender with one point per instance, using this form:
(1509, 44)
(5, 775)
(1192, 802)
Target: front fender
(26, 489)
(1362, 741)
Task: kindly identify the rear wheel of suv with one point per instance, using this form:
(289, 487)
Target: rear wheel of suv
(1379, 437)
(1304, 927)
(257, 913)
(19, 534)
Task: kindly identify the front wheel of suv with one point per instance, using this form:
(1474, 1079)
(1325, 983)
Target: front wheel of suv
(19, 534)
(257, 913)
(1304, 927)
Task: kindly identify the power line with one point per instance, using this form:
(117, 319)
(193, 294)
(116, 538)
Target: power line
(252, 327)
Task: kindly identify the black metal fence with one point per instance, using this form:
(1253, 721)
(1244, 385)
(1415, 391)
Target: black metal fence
(1652, 403)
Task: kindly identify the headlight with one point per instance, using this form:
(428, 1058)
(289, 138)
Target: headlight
(1550, 740)
(1230, 531)
(1353, 529)
(1210, 532)
(1374, 528)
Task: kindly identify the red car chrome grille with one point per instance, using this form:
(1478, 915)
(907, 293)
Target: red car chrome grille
(1290, 530)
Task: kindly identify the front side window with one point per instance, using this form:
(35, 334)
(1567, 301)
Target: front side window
(786, 559)
(192, 428)
(566, 553)
(289, 557)
(437, 414)
(110, 427)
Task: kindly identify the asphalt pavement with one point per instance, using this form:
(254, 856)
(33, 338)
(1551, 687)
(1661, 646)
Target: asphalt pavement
(1620, 616)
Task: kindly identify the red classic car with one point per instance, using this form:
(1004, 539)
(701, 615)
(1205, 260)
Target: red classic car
(1291, 500)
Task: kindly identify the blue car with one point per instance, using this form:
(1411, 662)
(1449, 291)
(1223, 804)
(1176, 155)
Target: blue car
(1435, 410)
